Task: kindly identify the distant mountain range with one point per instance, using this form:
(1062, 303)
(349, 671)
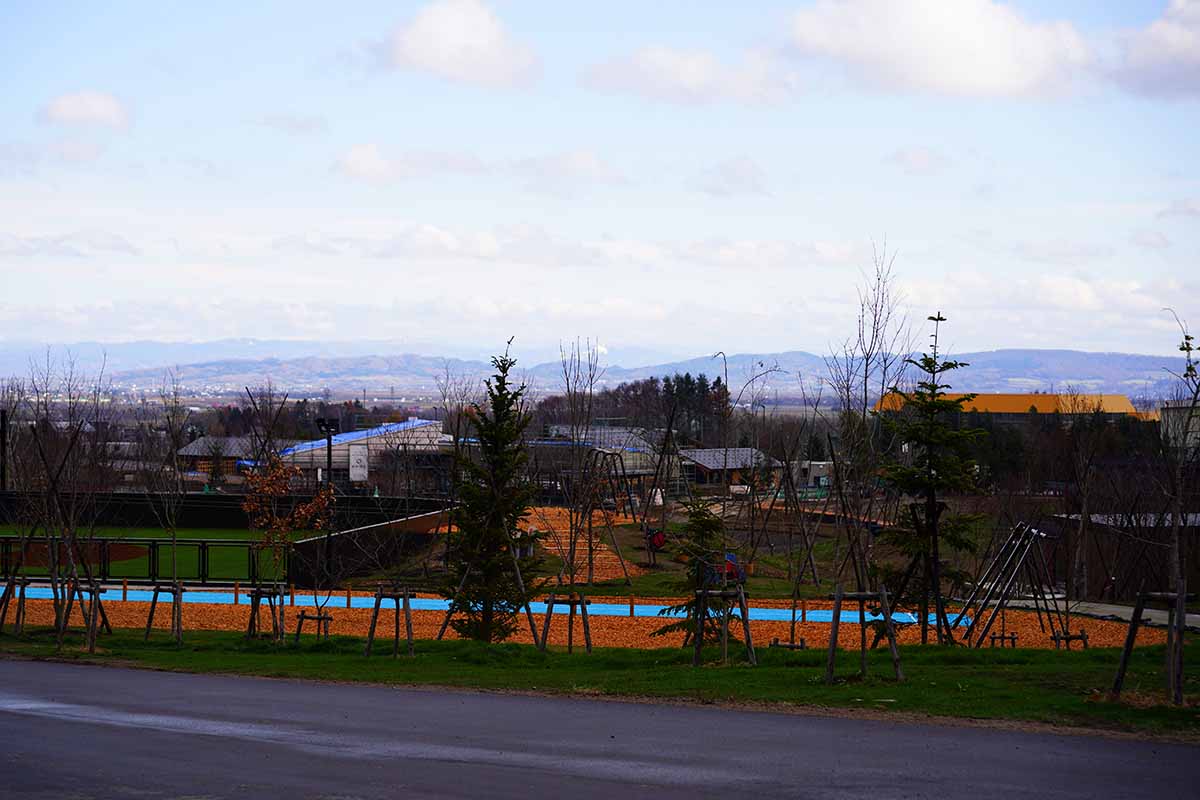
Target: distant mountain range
(411, 375)
(386, 367)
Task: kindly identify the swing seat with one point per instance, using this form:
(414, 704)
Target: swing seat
(656, 539)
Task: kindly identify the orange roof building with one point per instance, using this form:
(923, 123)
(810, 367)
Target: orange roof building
(1114, 404)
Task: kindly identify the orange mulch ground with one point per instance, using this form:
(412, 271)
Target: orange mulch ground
(554, 523)
(606, 631)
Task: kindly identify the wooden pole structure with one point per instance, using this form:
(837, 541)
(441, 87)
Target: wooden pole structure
(833, 634)
(401, 599)
(541, 644)
(93, 617)
(745, 608)
(1127, 650)
(701, 613)
(374, 621)
(570, 623)
(890, 627)
(587, 628)
(408, 623)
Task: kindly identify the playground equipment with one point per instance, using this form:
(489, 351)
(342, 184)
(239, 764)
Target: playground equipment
(1018, 564)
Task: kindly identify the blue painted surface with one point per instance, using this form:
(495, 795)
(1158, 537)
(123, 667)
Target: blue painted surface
(305, 600)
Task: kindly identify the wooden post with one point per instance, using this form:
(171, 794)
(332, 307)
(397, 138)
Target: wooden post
(408, 626)
(890, 626)
(792, 629)
(292, 594)
(252, 624)
(833, 634)
(93, 617)
(396, 628)
(282, 617)
(570, 624)
(374, 620)
(450, 608)
(347, 597)
(631, 606)
(546, 624)
(150, 616)
(124, 589)
(1170, 665)
(725, 614)
(9, 590)
(701, 613)
(745, 608)
(862, 638)
(19, 619)
(236, 591)
(587, 629)
(1130, 640)
(803, 611)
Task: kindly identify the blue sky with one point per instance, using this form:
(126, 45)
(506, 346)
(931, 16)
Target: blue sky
(677, 177)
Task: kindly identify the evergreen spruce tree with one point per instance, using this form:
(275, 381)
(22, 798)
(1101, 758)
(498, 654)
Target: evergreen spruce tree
(939, 462)
(701, 542)
(494, 494)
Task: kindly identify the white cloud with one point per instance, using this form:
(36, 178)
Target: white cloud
(75, 151)
(297, 124)
(80, 244)
(1181, 208)
(560, 171)
(737, 176)
(554, 172)
(695, 76)
(963, 47)
(1164, 57)
(918, 160)
(462, 40)
(368, 162)
(1062, 253)
(86, 108)
(1151, 240)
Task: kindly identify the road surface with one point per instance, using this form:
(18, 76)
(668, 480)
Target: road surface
(71, 731)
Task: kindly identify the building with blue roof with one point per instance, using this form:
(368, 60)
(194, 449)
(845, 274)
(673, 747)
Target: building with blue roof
(381, 457)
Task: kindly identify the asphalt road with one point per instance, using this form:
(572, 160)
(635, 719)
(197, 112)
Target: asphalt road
(71, 731)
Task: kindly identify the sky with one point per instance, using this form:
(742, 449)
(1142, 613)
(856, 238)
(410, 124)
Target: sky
(670, 178)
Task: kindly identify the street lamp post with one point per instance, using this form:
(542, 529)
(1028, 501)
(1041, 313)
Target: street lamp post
(328, 426)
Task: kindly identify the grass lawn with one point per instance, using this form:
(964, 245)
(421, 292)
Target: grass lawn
(1059, 688)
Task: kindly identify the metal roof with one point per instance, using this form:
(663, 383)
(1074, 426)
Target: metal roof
(738, 457)
(1022, 403)
(228, 446)
(354, 436)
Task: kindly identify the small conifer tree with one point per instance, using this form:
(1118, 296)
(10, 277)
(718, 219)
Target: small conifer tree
(484, 581)
(938, 462)
(701, 543)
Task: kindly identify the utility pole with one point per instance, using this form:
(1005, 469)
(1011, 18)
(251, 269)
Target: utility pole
(328, 426)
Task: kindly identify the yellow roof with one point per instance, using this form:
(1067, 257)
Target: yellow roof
(1022, 403)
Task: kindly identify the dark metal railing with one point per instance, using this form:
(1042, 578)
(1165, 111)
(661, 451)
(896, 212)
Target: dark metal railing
(149, 560)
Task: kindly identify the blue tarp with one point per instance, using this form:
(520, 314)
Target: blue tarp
(600, 609)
